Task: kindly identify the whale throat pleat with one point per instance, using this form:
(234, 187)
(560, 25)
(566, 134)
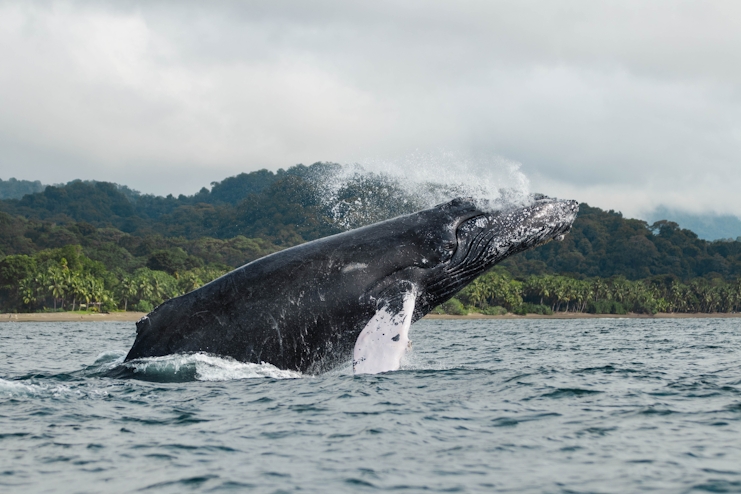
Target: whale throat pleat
(385, 339)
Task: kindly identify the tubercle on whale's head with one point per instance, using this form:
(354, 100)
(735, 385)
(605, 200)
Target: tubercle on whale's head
(484, 238)
(489, 237)
(467, 232)
(447, 246)
(545, 220)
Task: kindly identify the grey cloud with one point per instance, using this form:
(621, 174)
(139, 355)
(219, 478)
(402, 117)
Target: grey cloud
(625, 104)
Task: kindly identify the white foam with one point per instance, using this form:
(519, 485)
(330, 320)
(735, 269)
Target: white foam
(11, 388)
(206, 367)
(14, 389)
(423, 180)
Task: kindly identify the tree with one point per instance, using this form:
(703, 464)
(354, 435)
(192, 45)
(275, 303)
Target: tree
(127, 288)
(188, 282)
(56, 286)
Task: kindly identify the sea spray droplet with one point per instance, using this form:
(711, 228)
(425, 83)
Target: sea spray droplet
(374, 190)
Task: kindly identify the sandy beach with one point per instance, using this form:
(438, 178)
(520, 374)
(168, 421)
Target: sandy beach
(135, 316)
(71, 316)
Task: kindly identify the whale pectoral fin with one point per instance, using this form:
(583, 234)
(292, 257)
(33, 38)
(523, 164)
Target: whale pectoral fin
(385, 339)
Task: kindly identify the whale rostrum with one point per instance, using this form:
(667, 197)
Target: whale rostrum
(353, 295)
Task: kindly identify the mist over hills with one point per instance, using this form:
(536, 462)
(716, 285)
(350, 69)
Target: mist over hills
(15, 189)
(252, 214)
(706, 226)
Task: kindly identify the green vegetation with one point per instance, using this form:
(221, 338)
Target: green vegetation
(108, 247)
(604, 244)
(545, 294)
(66, 279)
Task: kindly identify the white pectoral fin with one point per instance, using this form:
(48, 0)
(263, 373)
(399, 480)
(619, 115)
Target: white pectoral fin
(385, 339)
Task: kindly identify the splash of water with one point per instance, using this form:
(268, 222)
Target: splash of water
(373, 190)
(12, 390)
(203, 367)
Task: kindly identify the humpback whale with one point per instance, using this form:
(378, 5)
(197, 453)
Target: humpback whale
(352, 295)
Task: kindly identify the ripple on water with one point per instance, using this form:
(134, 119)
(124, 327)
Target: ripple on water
(523, 406)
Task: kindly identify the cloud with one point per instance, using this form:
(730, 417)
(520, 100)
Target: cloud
(624, 104)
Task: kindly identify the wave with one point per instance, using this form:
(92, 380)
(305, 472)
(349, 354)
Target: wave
(10, 388)
(167, 369)
(15, 389)
(188, 367)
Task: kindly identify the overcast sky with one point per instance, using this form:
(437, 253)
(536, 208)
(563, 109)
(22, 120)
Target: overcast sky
(624, 104)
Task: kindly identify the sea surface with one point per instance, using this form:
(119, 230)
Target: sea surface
(603, 405)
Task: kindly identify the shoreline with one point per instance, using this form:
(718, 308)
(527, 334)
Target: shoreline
(584, 315)
(71, 317)
(135, 316)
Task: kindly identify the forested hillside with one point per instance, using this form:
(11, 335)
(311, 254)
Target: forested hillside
(603, 243)
(116, 234)
(282, 206)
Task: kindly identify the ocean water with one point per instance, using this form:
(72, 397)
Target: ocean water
(604, 405)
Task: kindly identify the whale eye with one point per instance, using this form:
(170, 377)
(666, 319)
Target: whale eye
(447, 250)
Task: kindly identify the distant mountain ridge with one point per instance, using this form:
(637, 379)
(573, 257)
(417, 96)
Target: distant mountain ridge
(706, 226)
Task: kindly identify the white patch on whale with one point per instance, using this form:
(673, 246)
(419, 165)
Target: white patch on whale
(385, 339)
(354, 266)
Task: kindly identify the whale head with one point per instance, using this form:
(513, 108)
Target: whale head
(474, 239)
(431, 255)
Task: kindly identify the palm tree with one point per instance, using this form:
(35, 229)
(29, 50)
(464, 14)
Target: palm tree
(620, 289)
(76, 288)
(189, 282)
(158, 289)
(56, 285)
(736, 288)
(584, 291)
(69, 279)
(128, 288)
(476, 292)
(86, 290)
(97, 291)
(143, 287)
(679, 297)
(599, 289)
(38, 283)
(535, 286)
(26, 290)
